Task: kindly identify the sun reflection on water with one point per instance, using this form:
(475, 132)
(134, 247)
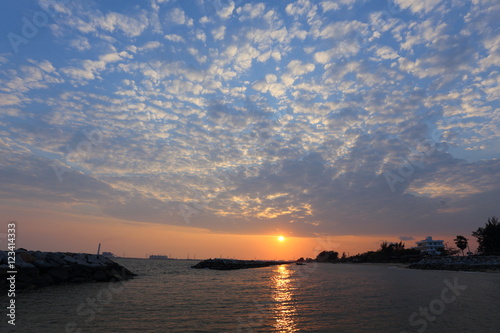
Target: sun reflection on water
(284, 309)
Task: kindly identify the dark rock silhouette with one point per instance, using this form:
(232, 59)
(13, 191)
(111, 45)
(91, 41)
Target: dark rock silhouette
(229, 264)
(38, 269)
(470, 263)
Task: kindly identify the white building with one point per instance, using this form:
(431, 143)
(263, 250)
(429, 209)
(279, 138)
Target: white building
(430, 246)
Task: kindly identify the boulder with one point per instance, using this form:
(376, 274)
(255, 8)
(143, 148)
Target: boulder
(59, 273)
(56, 258)
(93, 259)
(43, 264)
(100, 276)
(70, 260)
(38, 255)
(3, 257)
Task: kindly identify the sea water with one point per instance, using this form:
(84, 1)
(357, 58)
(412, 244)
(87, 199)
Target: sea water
(170, 296)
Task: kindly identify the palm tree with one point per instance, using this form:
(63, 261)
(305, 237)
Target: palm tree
(461, 242)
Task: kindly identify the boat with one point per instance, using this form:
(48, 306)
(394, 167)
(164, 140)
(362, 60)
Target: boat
(299, 263)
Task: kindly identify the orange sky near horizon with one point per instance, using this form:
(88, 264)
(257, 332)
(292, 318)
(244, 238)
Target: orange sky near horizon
(49, 230)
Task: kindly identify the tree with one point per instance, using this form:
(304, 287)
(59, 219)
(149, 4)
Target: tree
(391, 248)
(461, 243)
(488, 237)
(327, 256)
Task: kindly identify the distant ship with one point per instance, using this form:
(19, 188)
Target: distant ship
(158, 257)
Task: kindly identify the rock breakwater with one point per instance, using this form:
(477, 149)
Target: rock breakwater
(38, 269)
(229, 264)
(471, 263)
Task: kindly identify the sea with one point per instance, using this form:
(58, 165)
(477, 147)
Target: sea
(170, 296)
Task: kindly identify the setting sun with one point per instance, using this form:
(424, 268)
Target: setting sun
(281, 238)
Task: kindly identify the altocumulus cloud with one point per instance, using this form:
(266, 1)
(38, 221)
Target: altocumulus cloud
(248, 117)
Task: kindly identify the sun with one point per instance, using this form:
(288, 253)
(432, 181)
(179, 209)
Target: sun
(281, 238)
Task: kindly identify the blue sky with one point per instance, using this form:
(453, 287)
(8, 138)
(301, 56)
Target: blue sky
(341, 117)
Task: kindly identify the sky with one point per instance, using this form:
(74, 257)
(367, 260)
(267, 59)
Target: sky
(209, 128)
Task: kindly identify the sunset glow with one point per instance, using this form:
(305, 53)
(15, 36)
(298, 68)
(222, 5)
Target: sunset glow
(216, 127)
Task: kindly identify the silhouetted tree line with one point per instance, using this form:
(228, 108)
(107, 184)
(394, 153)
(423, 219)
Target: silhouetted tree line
(327, 256)
(488, 238)
(388, 252)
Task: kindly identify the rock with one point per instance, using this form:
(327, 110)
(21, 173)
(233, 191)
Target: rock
(42, 264)
(39, 255)
(116, 275)
(70, 260)
(26, 257)
(56, 258)
(474, 263)
(23, 264)
(59, 273)
(104, 260)
(3, 257)
(100, 276)
(229, 264)
(94, 260)
(38, 269)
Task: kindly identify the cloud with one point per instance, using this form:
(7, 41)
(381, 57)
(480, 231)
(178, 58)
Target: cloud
(298, 8)
(150, 45)
(251, 11)
(296, 67)
(90, 69)
(9, 100)
(174, 38)
(225, 12)
(130, 26)
(418, 6)
(81, 44)
(178, 16)
(219, 32)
